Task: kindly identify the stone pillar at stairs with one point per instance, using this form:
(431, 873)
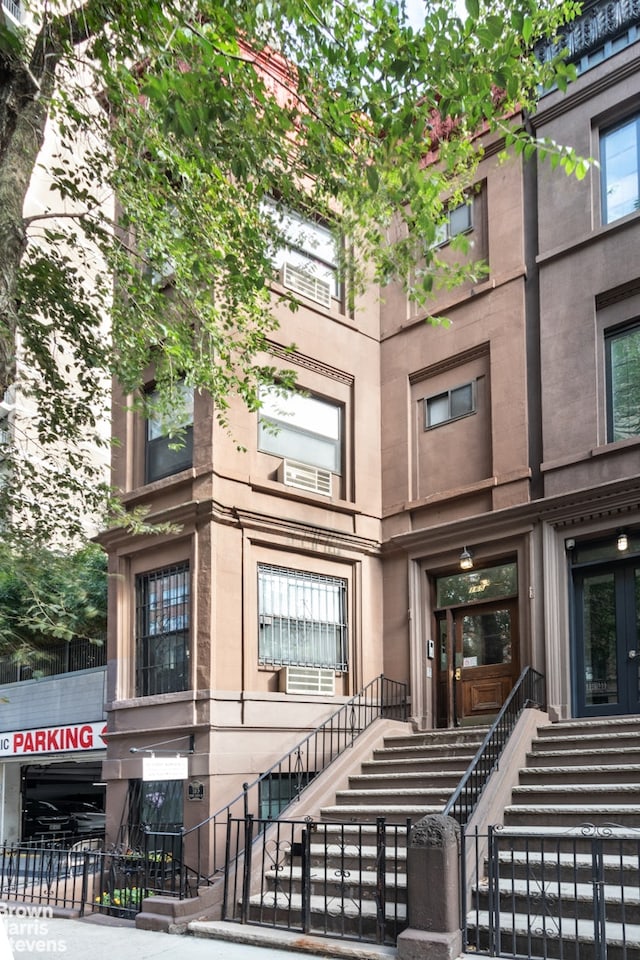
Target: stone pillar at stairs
(433, 891)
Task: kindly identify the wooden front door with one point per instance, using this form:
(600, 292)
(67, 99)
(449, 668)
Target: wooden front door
(486, 658)
(478, 661)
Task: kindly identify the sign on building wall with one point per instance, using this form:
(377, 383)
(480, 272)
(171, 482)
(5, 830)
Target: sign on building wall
(165, 768)
(71, 738)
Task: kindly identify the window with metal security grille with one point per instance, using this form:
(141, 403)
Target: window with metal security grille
(302, 618)
(169, 437)
(277, 791)
(162, 631)
(623, 383)
(450, 405)
(620, 170)
(302, 428)
(307, 261)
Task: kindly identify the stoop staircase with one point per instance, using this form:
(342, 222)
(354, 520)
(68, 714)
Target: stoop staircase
(406, 779)
(564, 873)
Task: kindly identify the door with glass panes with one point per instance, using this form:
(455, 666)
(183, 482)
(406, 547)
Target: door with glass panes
(607, 643)
(478, 656)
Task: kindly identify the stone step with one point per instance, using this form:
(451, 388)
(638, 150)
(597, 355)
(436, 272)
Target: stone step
(338, 883)
(435, 751)
(427, 795)
(571, 814)
(607, 773)
(565, 867)
(610, 726)
(471, 737)
(554, 899)
(569, 741)
(355, 857)
(340, 916)
(443, 764)
(602, 756)
(525, 935)
(395, 813)
(447, 780)
(607, 794)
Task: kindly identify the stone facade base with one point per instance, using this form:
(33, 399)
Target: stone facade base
(429, 945)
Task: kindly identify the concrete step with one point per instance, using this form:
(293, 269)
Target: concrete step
(610, 726)
(606, 773)
(600, 756)
(536, 936)
(434, 751)
(427, 795)
(395, 813)
(447, 780)
(355, 857)
(565, 867)
(341, 884)
(467, 736)
(419, 763)
(571, 814)
(607, 794)
(327, 915)
(554, 898)
(571, 741)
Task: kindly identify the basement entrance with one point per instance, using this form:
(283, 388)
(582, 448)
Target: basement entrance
(607, 628)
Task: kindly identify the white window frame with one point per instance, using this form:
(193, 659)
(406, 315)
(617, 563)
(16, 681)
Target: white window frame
(448, 397)
(309, 246)
(286, 421)
(449, 228)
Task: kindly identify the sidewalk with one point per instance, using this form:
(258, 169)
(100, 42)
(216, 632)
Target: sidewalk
(103, 938)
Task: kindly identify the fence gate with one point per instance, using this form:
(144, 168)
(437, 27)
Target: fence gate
(340, 880)
(555, 894)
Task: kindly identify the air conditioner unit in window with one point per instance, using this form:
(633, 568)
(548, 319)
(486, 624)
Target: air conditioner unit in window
(304, 477)
(313, 288)
(312, 680)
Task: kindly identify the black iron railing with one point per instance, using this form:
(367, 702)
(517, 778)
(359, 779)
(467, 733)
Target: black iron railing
(54, 659)
(270, 794)
(343, 880)
(568, 893)
(528, 692)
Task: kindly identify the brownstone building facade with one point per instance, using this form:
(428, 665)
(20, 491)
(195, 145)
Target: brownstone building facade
(507, 442)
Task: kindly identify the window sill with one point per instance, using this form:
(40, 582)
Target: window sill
(597, 235)
(156, 699)
(605, 450)
(149, 489)
(293, 493)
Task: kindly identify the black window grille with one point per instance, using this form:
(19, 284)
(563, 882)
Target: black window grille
(162, 631)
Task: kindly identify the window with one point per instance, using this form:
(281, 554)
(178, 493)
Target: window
(277, 791)
(13, 9)
(451, 405)
(302, 618)
(308, 260)
(458, 220)
(169, 435)
(620, 169)
(302, 428)
(623, 383)
(162, 631)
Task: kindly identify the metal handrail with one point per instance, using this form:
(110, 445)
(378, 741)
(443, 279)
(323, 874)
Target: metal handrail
(381, 697)
(528, 692)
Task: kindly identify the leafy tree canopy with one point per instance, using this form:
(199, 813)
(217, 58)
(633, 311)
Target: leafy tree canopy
(49, 597)
(206, 109)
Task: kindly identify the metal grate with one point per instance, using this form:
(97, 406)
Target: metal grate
(162, 631)
(302, 618)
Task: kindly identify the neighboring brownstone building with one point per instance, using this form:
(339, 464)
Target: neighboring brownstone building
(330, 551)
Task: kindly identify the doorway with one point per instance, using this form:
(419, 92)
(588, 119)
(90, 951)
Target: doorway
(607, 639)
(478, 644)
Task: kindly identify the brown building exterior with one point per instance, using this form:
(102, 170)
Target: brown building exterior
(330, 551)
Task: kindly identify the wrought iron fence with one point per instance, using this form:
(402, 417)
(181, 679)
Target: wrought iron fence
(206, 845)
(54, 659)
(558, 894)
(343, 880)
(528, 692)
(86, 878)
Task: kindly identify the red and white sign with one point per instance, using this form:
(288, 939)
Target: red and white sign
(72, 738)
